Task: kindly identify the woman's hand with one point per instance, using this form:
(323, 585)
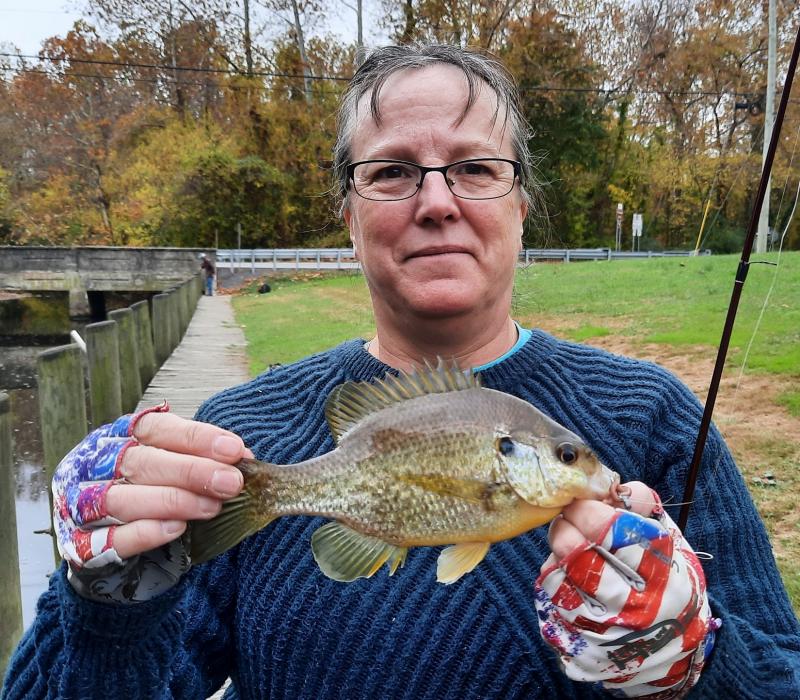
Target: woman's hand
(122, 498)
(622, 598)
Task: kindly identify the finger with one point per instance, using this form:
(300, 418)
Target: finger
(551, 560)
(145, 465)
(176, 434)
(143, 535)
(129, 503)
(589, 517)
(564, 538)
(642, 498)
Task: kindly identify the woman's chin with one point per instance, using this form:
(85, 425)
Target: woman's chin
(442, 299)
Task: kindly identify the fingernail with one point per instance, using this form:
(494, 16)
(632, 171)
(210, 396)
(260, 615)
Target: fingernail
(226, 482)
(173, 527)
(227, 446)
(209, 506)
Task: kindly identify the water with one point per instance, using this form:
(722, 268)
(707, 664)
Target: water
(29, 325)
(36, 557)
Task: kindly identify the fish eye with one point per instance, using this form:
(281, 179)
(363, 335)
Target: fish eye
(567, 453)
(505, 445)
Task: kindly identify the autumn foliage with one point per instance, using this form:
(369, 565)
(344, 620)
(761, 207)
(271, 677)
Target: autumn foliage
(148, 126)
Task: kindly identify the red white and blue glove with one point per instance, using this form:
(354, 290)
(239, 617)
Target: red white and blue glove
(85, 530)
(629, 610)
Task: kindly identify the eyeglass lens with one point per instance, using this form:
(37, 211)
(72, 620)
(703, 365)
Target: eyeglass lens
(474, 179)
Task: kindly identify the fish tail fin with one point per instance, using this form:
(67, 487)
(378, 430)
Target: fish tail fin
(240, 516)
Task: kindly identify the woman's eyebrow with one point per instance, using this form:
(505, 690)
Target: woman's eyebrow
(473, 148)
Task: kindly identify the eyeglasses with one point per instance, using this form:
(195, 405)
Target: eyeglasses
(392, 180)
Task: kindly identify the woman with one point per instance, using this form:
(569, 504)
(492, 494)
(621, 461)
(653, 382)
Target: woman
(432, 164)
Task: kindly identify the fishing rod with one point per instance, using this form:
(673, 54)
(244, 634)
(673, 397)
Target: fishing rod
(741, 276)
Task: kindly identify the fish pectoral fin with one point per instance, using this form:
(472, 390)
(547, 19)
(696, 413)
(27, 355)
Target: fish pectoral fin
(345, 555)
(459, 559)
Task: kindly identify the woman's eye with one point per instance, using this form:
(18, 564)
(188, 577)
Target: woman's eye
(567, 453)
(472, 169)
(475, 169)
(505, 445)
(390, 173)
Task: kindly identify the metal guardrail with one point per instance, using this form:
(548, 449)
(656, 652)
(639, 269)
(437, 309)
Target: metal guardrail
(344, 258)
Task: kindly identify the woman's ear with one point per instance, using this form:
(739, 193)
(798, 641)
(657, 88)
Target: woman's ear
(348, 219)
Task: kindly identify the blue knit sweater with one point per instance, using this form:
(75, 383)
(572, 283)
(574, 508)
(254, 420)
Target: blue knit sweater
(264, 614)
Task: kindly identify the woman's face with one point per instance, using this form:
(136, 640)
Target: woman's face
(435, 255)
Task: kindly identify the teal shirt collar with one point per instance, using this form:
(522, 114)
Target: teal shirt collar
(523, 335)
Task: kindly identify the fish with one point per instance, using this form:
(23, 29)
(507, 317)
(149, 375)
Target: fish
(425, 458)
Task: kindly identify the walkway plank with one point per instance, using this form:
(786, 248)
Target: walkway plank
(210, 357)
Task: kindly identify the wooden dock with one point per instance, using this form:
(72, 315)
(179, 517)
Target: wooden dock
(210, 357)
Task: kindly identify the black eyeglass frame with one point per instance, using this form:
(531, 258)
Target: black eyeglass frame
(351, 167)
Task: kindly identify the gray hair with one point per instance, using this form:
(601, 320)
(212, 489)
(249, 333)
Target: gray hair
(384, 62)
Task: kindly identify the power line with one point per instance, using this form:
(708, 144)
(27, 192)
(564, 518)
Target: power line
(336, 78)
(167, 81)
(188, 69)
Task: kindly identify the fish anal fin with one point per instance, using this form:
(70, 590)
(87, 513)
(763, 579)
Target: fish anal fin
(459, 559)
(345, 555)
(350, 402)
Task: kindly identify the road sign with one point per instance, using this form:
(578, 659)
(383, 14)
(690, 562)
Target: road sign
(637, 224)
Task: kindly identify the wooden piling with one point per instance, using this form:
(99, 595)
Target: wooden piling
(10, 594)
(174, 318)
(62, 407)
(102, 347)
(161, 339)
(144, 341)
(184, 312)
(130, 383)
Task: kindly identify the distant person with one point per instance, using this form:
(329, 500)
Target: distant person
(433, 167)
(208, 268)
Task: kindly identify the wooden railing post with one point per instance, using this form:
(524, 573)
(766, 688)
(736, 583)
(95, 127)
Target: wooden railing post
(161, 332)
(102, 348)
(62, 407)
(130, 383)
(174, 308)
(10, 594)
(144, 341)
(186, 307)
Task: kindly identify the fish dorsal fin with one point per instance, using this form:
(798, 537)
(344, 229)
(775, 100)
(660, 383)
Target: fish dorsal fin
(350, 402)
(345, 555)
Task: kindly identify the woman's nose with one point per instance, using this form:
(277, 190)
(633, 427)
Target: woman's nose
(435, 201)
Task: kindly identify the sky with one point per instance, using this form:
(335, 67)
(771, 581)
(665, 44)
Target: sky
(26, 23)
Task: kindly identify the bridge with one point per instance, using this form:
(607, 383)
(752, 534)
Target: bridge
(86, 272)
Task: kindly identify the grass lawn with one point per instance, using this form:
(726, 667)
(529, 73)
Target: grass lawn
(670, 310)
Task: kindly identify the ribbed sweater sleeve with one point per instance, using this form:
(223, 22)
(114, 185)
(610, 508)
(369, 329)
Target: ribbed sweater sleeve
(174, 646)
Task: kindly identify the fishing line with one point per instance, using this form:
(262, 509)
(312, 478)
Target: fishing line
(777, 265)
(729, 418)
(739, 281)
(719, 209)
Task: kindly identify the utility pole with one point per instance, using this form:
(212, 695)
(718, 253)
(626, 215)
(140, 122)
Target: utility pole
(360, 52)
(769, 117)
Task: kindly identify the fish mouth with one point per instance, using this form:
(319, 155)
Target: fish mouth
(603, 484)
(438, 250)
